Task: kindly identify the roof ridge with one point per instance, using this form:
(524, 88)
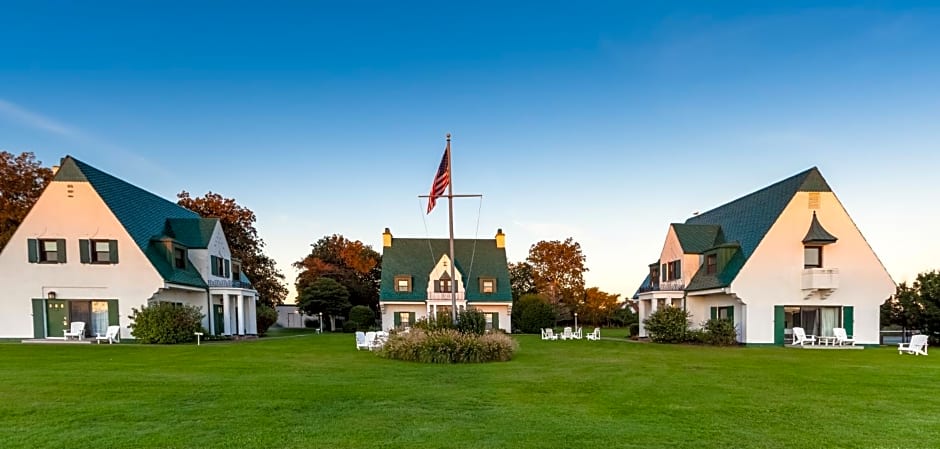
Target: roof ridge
(803, 173)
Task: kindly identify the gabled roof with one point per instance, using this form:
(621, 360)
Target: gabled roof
(696, 238)
(416, 257)
(143, 214)
(191, 232)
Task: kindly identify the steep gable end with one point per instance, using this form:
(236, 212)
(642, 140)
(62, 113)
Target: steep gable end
(695, 239)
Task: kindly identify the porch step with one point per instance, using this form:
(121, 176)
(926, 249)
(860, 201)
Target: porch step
(55, 341)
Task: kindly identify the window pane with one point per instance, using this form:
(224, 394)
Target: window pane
(49, 245)
(811, 256)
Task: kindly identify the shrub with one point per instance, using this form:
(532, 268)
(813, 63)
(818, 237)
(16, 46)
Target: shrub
(471, 321)
(363, 316)
(350, 326)
(448, 346)
(531, 313)
(166, 323)
(441, 321)
(668, 325)
(634, 329)
(311, 323)
(719, 332)
(266, 317)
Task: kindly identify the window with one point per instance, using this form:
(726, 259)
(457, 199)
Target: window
(654, 275)
(672, 271)
(403, 284)
(445, 285)
(711, 264)
(236, 270)
(179, 258)
(487, 285)
(812, 257)
(663, 272)
(101, 251)
(220, 266)
(48, 250)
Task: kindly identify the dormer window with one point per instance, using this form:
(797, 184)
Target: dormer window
(179, 258)
(403, 284)
(711, 264)
(812, 257)
(487, 285)
(444, 284)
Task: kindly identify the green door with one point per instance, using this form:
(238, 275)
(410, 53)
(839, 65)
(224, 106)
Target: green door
(57, 317)
(218, 319)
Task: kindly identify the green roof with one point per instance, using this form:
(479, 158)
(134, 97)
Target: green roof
(473, 258)
(695, 239)
(817, 233)
(746, 221)
(143, 214)
(191, 232)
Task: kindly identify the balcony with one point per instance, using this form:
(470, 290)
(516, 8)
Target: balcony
(229, 283)
(820, 278)
(665, 286)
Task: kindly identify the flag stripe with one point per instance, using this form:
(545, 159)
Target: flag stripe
(441, 180)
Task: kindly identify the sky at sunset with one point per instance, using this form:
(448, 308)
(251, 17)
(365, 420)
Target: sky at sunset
(601, 121)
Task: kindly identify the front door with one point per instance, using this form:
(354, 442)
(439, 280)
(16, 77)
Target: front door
(81, 311)
(218, 319)
(57, 318)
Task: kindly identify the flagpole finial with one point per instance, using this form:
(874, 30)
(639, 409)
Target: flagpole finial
(448, 136)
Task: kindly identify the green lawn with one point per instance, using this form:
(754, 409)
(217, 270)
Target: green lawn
(310, 391)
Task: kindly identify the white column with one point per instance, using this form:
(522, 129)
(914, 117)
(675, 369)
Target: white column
(641, 313)
(226, 314)
(241, 314)
(253, 312)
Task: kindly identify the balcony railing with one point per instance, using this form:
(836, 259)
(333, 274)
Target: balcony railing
(229, 283)
(673, 285)
(820, 278)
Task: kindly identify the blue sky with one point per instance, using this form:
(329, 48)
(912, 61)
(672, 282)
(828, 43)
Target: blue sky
(600, 121)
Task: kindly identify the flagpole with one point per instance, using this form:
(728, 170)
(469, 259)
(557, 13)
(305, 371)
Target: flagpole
(450, 213)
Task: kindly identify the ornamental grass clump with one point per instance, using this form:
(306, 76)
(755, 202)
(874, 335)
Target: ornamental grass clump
(448, 346)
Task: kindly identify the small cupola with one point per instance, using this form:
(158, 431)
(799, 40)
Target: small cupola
(817, 235)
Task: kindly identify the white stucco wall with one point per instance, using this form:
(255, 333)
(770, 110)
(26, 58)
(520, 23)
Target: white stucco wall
(388, 317)
(218, 247)
(71, 211)
(191, 298)
(773, 274)
(505, 319)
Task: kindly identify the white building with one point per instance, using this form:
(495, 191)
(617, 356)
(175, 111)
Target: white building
(785, 256)
(93, 247)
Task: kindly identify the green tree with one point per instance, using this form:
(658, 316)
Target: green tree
(238, 223)
(920, 305)
(22, 180)
(668, 325)
(531, 313)
(266, 317)
(558, 273)
(521, 280)
(353, 264)
(597, 307)
(326, 296)
(166, 323)
(363, 316)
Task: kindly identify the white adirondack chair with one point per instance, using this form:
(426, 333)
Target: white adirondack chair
(549, 334)
(596, 335)
(113, 334)
(842, 338)
(361, 342)
(577, 334)
(917, 346)
(800, 337)
(566, 334)
(370, 340)
(76, 329)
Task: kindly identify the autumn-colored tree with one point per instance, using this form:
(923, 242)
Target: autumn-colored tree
(597, 307)
(521, 280)
(353, 264)
(22, 179)
(238, 223)
(558, 272)
(326, 296)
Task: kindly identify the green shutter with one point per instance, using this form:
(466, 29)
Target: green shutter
(496, 320)
(411, 319)
(113, 249)
(228, 269)
(731, 313)
(848, 319)
(39, 319)
(714, 312)
(32, 246)
(397, 319)
(114, 316)
(84, 252)
(214, 265)
(779, 325)
(60, 250)
(437, 286)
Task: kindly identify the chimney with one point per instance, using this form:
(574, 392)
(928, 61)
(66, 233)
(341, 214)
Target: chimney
(500, 238)
(387, 238)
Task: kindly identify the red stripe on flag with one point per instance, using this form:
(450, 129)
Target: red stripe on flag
(441, 180)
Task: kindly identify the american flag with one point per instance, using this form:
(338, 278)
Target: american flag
(441, 180)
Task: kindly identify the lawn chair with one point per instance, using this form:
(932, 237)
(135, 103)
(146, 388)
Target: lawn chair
(566, 334)
(577, 334)
(549, 334)
(361, 342)
(380, 339)
(800, 337)
(596, 335)
(76, 329)
(842, 338)
(917, 346)
(112, 335)
(370, 340)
